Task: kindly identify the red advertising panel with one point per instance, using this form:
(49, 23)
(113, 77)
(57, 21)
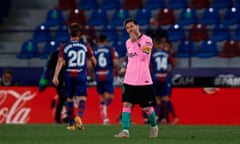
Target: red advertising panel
(192, 105)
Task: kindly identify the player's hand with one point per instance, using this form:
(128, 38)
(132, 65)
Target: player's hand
(55, 81)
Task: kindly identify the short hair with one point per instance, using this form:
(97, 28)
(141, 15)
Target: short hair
(130, 20)
(102, 38)
(74, 30)
(7, 71)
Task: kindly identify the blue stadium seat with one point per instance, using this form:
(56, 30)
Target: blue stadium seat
(188, 16)
(42, 33)
(118, 17)
(124, 35)
(110, 32)
(29, 49)
(61, 34)
(154, 4)
(177, 4)
(98, 18)
(236, 35)
(48, 49)
(54, 17)
(88, 4)
(143, 16)
(186, 49)
(220, 33)
(110, 4)
(232, 16)
(221, 4)
(210, 16)
(175, 33)
(207, 49)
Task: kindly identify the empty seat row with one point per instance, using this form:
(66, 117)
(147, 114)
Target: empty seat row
(148, 4)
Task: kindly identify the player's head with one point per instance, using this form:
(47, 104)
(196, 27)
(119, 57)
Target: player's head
(131, 25)
(157, 42)
(7, 77)
(74, 30)
(102, 38)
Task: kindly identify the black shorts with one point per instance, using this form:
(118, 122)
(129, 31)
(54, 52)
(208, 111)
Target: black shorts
(142, 95)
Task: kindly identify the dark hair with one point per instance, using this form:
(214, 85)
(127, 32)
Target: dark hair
(130, 20)
(74, 30)
(7, 71)
(102, 38)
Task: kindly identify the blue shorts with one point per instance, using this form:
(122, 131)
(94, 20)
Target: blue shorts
(105, 86)
(75, 86)
(162, 88)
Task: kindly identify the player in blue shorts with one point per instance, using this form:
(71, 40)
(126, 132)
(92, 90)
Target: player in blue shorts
(107, 65)
(162, 61)
(73, 54)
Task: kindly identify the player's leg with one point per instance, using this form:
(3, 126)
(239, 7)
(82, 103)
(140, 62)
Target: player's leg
(127, 99)
(70, 103)
(81, 93)
(60, 104)
(147, 102)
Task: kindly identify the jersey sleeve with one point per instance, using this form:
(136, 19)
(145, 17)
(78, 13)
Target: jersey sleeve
(114, 53)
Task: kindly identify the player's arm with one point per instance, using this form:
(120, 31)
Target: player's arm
(58, 68)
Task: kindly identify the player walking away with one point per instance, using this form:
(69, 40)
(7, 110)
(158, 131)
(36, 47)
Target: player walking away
(162, 61)
(73, 54)
(45, 79)
(137, 87)
(107, 65)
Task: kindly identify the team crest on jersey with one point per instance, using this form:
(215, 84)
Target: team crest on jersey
(146, 49)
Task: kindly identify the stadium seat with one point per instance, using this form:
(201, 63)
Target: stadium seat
(110, 32)
(98, 18)
(143, 16)
(42, 33)
(88, 4)
(61, 34)
(124, 36)
(199, 4)
(185, 49)
(220, 33)
(118, 17)
(67, 4)
(188, 17)
(222, 4)
(49, 47)
(154, 4)
(230, 49)
(177, 4)
(231, 16)
(54, 17)
(89, 31)
(236, 35)
(110, 4)
(166, 17)
(175, 33)
(29, 49)
(207, 49)
(132, 4)
(210, 16)
(198, 32)
(76, 16)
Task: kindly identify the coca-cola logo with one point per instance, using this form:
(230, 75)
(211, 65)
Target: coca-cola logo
(13, 107)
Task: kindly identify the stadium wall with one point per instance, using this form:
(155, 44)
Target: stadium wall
(194, 106)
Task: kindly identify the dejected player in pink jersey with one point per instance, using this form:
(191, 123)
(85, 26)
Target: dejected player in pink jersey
(137, 87)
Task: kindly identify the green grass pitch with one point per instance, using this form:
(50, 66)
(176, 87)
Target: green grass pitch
(98, 134)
